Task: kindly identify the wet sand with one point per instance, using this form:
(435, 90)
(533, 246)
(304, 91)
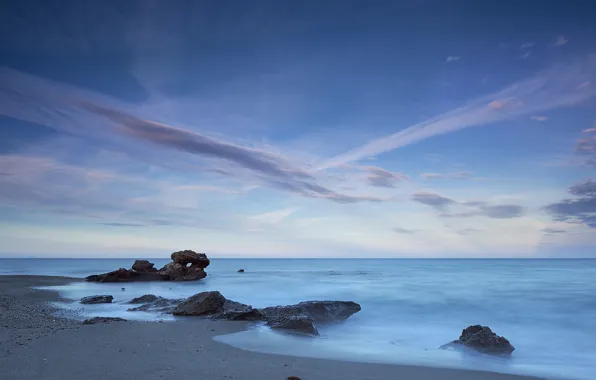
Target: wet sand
(35, 344)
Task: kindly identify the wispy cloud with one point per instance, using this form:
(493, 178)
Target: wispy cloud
(526, 55)
(550, 89)
(469, 231)
(89, 115)
(380, 177)
(432, 199)
(581, 209)
(400, 230)
(467, 208)
(553, 231)
(456, 175)
(527, 45)
(560, 41)
(452, 58)
(539, 118)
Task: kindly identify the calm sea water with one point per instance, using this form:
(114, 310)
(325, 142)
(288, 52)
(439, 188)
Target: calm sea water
(546, 308)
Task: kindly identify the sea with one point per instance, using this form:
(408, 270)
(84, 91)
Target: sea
(410, 307)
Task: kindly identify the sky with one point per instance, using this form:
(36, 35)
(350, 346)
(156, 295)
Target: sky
(413, 128)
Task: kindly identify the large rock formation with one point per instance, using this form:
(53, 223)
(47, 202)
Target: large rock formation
(482, 339)
(185, 266)
(297, 323)
(97, 299)
(186, 257)
(318, 311)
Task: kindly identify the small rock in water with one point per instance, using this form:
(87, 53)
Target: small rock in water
(482, 339)
(294, 378)
(95, 320)
(240, 270)
(123, 289)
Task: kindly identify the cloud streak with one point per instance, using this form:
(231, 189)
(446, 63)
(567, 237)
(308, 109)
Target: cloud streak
(89, 115)
(560, 86)
(469, 208)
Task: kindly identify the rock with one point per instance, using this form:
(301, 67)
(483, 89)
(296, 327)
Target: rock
(236, 311)
(186, 257)
(205, 303)
(159, 304)
(126, 275)
(95, 320)
(240, 270)
(482, 339)
(144, 299)
(318, 311)
(179, 272)
(296, 323)
(143, 266)
(97, 299)
(294, 378)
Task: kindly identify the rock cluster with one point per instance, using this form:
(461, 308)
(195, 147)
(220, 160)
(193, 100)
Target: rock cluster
(482, 339)
(301, 318)
(185, 266)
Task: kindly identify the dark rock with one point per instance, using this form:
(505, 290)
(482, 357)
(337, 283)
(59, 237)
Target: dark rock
(143, 266)
(240, 270)
(482, 339)
(205, 303)
(126, 275)
(318, 311)
(293, 377)
(236, 311)
(296, 323)
(95, 320)
(144, 299)
(179, 272)
(159, 304)
(186, 257)
(97, 299)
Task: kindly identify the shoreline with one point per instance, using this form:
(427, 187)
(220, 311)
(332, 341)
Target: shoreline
(37, 344)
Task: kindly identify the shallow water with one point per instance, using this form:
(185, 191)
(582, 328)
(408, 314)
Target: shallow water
(546, 308)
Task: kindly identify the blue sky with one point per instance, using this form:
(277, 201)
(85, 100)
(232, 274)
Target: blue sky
(298, 128)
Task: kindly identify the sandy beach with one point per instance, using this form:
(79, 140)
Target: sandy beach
(35, 344)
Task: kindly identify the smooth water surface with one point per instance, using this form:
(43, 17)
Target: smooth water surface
(546, 308)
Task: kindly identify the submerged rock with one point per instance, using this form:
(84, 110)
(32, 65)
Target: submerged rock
(159, 304)
(97, 299)
(95, 320)
(297, 323)
(482, 339)
(144, 299)
(236, 311)
(143, 266)
(318, 311)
